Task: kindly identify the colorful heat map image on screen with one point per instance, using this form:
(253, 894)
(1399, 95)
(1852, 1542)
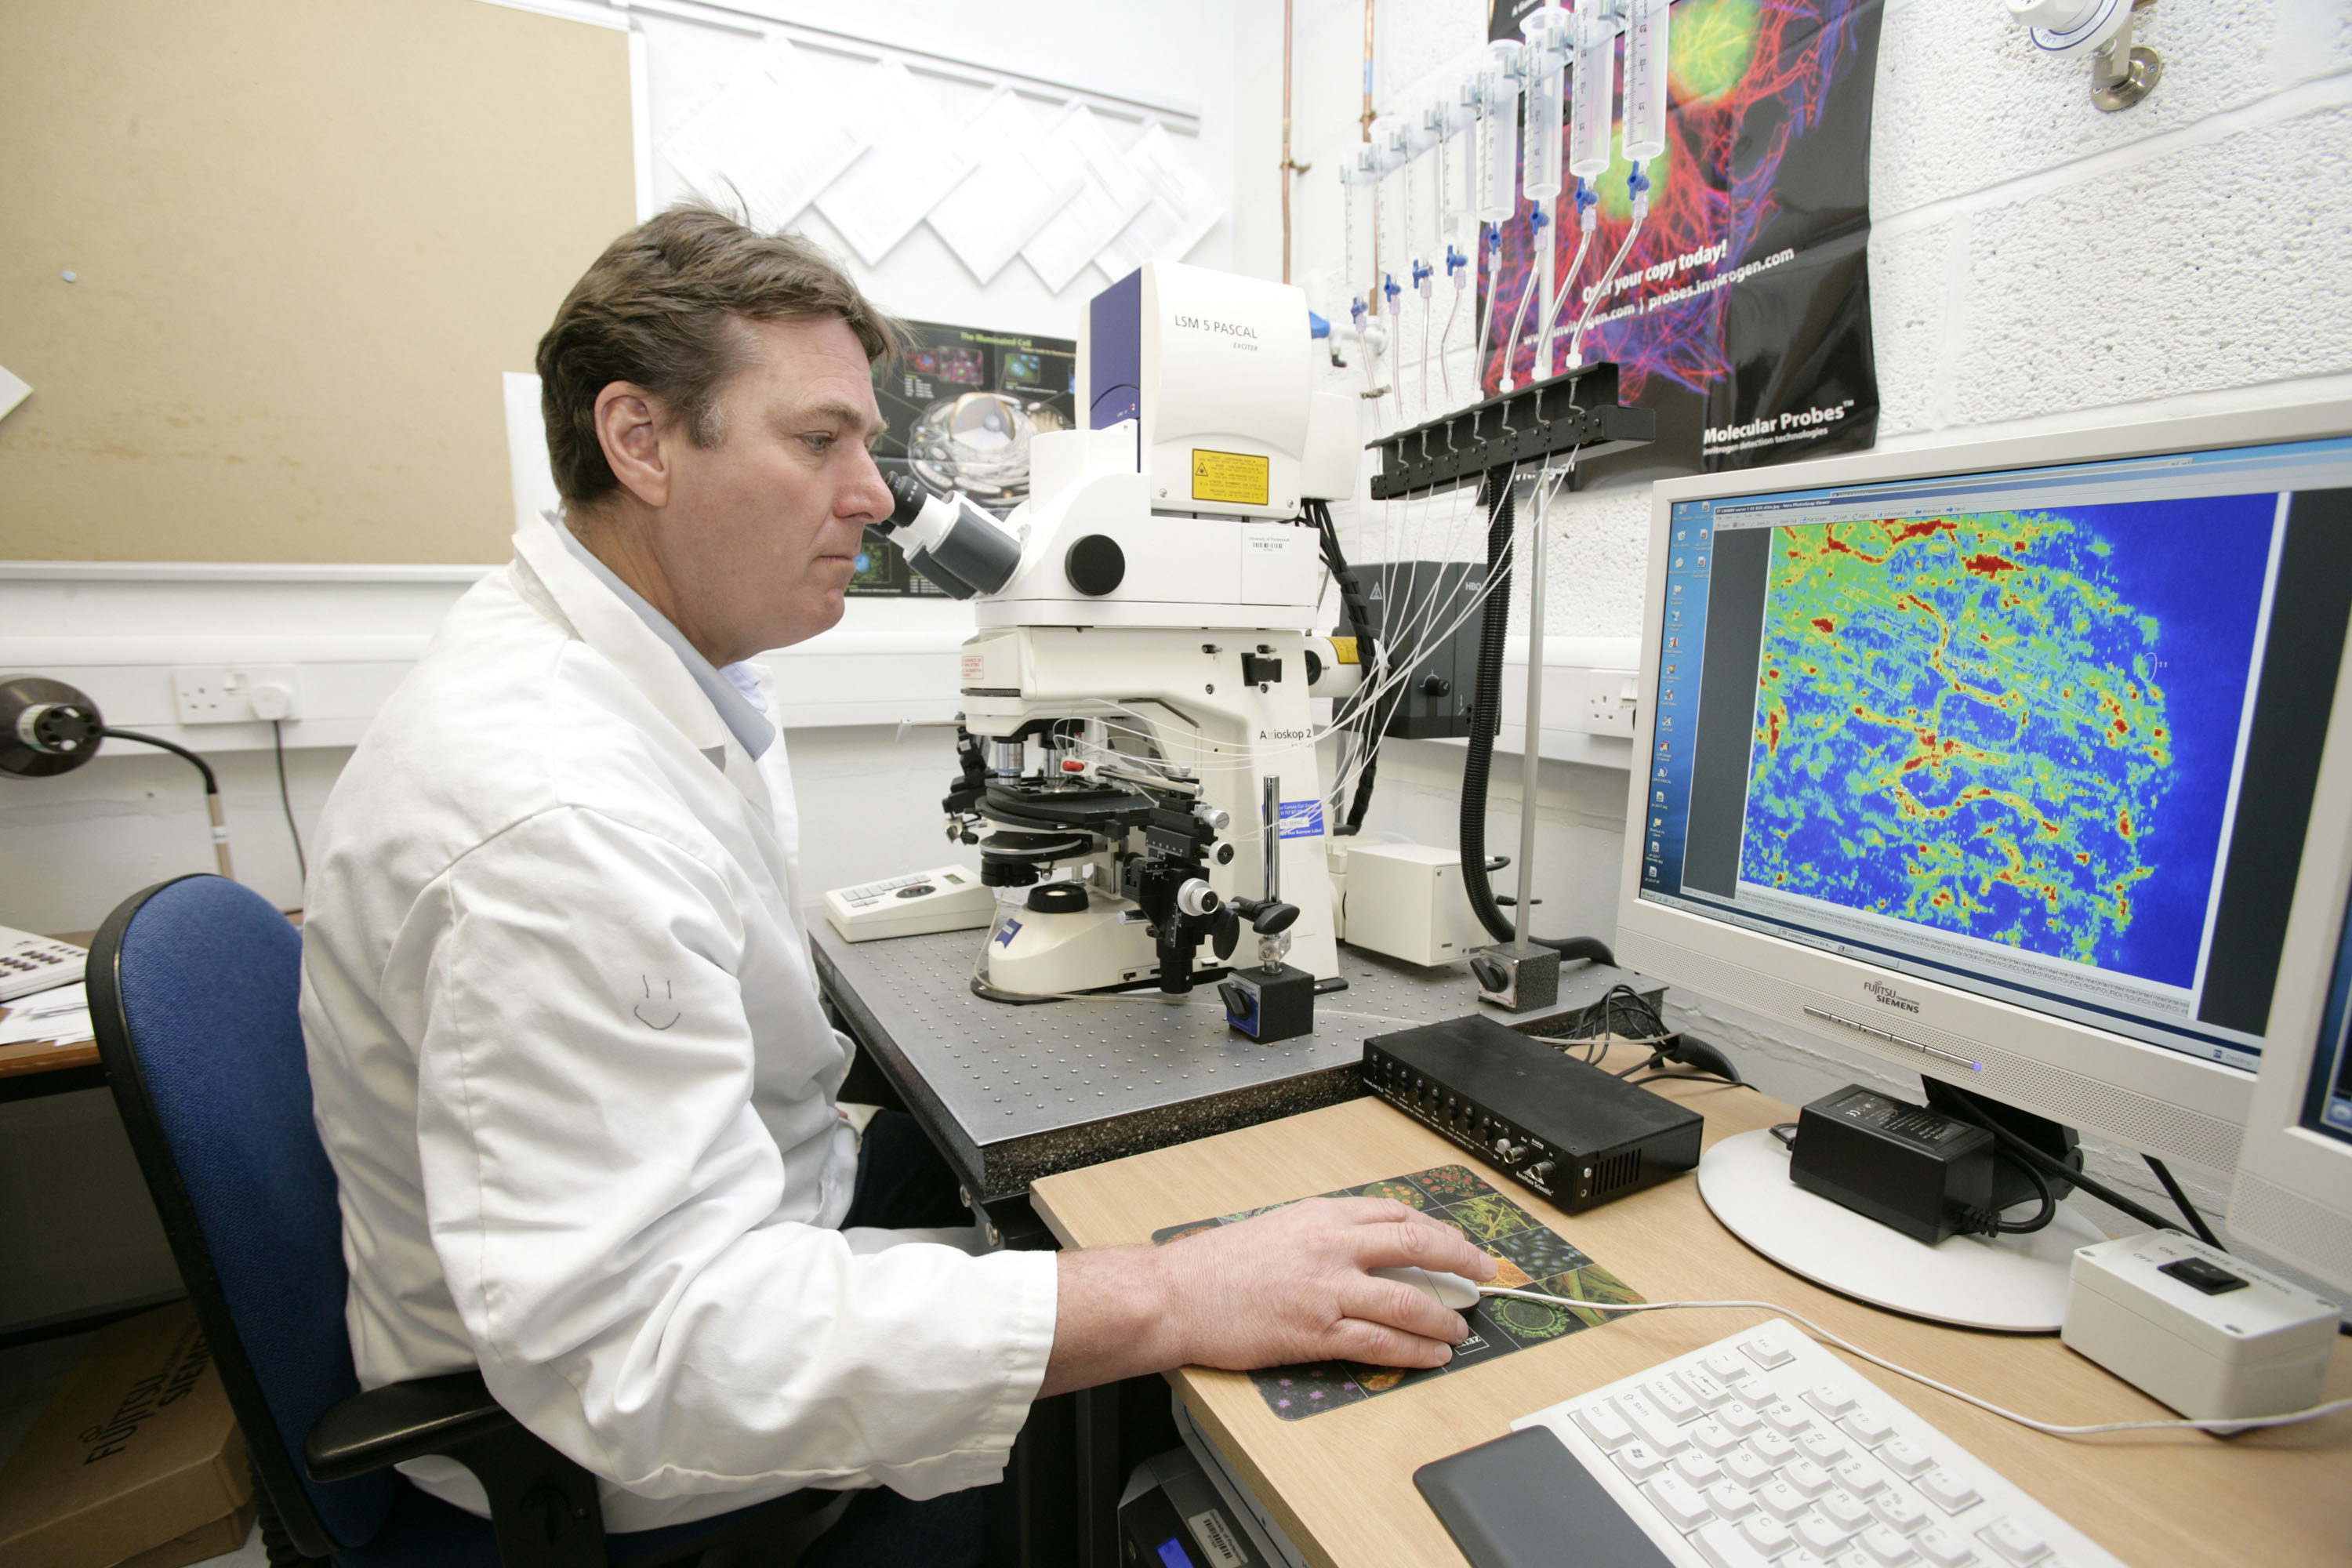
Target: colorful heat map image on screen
(2016, 726)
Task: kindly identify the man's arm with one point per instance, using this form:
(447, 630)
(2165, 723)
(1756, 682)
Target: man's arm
(1283, 1286)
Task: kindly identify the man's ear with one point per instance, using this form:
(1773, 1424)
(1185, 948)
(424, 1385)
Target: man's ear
(636, 431)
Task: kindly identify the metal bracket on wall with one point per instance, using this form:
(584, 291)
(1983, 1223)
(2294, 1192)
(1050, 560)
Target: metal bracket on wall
(1576, 412)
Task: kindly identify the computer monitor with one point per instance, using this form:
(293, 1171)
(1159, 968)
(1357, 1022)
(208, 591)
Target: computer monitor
(1995, 760)
(2293, 1197)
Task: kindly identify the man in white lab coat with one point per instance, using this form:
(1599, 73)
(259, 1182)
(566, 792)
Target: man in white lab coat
(564, 1027)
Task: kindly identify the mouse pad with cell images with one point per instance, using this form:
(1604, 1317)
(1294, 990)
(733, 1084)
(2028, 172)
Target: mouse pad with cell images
(1531, 1258)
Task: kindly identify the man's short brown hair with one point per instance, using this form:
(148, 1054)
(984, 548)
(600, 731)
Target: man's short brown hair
(662, 307)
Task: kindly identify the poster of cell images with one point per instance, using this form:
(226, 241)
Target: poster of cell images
(959, 410)
(1531, 1258)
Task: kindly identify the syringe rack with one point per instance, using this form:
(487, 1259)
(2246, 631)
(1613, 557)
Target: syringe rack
(1576, 412)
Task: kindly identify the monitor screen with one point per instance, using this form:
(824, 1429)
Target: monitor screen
(2049, 734)
(2328, 1102)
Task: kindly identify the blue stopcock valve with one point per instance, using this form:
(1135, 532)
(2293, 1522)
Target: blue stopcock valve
(1388, 286)
(1422, 273)
(1455, 262)
(1587, 198)
(1535, 220)
(1356, 310)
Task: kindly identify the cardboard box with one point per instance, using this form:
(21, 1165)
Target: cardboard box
(137, 1460)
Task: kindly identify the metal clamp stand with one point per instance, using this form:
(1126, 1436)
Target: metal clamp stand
(1274, 1000)
(1522, 975)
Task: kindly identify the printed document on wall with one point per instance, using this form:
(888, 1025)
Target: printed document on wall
(1111, 197)
(1182, 209)
(1022, 182)
(771, 134)
(916, 158)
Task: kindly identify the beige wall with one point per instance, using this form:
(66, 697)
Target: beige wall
(309, 236)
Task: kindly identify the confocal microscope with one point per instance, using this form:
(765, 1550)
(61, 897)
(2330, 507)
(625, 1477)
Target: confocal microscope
(1138, 752)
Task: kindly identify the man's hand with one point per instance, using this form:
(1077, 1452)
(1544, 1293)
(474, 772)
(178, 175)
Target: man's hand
(1283, 1286)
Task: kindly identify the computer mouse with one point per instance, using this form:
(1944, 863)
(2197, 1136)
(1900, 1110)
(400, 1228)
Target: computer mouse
(1445, 1289)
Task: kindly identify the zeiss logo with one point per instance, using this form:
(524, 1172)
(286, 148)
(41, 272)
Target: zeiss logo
(1887, 995)
(1211, 324)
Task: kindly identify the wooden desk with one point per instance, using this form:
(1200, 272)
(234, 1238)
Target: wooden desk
(1341, 1483)
(25, 1068)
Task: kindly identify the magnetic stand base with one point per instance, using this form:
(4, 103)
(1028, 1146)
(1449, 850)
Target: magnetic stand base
(1269, 1004)
(2016, 1283)
(1520, 978)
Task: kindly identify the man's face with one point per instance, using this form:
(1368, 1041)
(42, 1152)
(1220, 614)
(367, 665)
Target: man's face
(760, 535)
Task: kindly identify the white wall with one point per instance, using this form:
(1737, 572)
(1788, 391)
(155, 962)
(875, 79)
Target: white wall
(1178, 53)
(2035, 265)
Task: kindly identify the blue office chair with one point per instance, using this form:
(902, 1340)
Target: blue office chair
(194, 987)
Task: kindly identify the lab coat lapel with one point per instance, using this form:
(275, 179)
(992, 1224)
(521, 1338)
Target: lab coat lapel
(615, 630)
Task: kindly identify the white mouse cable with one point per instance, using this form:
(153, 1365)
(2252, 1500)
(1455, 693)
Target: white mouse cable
(2234, 1424)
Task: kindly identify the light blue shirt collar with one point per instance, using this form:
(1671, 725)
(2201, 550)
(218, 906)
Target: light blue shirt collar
(734, 690)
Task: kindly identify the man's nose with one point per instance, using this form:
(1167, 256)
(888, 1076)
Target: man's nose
(866, 498)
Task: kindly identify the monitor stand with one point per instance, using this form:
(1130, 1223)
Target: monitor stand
(2016, 1283)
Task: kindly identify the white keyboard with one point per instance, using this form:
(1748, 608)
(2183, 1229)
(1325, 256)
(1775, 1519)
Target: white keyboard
(1764, 1450)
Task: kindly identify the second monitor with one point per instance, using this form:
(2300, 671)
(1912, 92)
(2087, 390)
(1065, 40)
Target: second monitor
(1996, 761)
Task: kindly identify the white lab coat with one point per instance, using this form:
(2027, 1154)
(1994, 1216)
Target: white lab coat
(572, 1072)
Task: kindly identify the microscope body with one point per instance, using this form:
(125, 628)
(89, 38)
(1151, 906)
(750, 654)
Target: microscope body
(1144, 668)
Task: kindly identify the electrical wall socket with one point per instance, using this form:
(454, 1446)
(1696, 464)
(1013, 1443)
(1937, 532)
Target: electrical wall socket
(235, 694)
(1610, 699)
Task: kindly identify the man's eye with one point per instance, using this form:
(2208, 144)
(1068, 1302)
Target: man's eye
(820, 442)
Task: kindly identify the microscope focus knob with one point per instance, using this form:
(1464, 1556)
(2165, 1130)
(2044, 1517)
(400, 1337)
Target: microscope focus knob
(1197, 898)
(1095, 564)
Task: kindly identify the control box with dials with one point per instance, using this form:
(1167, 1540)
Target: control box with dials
(1560, 1127)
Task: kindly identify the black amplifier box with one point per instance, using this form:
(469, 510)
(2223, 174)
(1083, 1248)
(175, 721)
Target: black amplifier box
(1570, 1132)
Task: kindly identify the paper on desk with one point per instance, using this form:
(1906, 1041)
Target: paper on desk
(61, 1014)
(916, 160)
(1183, 207)
(1021, 182)
(14, 389)
(1111, 196)
(772, 134)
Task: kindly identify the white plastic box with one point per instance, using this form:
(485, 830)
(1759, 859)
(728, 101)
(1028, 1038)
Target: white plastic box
(1406, 900)
(2261, 1348)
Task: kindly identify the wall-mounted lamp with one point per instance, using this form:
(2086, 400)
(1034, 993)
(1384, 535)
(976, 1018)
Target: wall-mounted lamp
(2121, 73)
(48, 728)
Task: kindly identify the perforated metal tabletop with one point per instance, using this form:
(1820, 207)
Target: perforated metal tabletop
(1021, 1092)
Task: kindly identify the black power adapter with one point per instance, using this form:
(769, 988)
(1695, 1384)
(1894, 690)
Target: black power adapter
(1909, 1167)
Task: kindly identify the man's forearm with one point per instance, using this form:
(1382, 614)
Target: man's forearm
(1112, 1319)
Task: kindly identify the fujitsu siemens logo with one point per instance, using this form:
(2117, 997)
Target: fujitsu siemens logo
(1211, 324)
(1887, 996)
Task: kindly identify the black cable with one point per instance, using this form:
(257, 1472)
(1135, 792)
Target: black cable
(278, 744)
(1370, 717)
(1786, 1132)
(2180, 1199)
(2049, 1210)
(1972, 1111)
(1495, 495)
(212, 785)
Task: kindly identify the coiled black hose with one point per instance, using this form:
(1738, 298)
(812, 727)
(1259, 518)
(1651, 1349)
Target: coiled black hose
(1485, 715)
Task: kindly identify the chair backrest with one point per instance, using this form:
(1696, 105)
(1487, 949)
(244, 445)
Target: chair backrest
(195, 987)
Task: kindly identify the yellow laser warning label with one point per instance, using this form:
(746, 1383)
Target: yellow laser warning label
(1235, 478)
